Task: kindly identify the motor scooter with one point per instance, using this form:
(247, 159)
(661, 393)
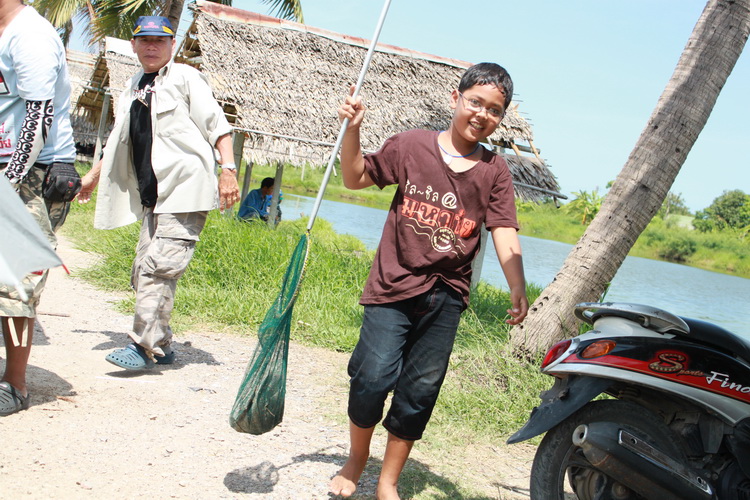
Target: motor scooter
(646, 405)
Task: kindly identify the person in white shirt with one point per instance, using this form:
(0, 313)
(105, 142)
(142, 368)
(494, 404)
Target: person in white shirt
(159, 166)
(35, 134)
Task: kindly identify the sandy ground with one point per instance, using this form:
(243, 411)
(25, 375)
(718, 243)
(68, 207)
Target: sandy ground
(95, 431)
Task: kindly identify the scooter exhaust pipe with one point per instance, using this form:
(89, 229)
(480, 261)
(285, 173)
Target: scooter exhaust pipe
(637, 465)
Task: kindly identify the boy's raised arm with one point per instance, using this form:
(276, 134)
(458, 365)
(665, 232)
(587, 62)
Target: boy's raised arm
(508, 249)
(352, 161)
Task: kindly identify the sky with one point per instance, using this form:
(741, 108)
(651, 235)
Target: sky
(587, 75)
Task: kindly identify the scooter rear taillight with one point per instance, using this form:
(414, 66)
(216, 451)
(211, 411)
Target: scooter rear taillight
(598, 348)
(557, 350)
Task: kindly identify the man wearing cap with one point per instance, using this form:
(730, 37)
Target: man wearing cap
(159, 166)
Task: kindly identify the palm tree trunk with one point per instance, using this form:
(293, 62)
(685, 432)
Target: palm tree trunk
(173, 11)
(639, 190)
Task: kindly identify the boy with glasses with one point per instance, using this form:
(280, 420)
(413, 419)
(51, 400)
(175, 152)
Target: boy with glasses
(448, 187)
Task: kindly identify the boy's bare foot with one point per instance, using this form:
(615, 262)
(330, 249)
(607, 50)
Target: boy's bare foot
(387, 492)
(345, 482)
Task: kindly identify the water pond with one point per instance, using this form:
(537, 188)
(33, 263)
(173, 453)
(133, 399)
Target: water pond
(682, 290)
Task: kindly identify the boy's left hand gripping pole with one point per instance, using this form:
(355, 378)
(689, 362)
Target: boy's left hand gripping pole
(345, 123)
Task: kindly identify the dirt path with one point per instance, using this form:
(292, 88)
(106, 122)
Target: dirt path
(94, 431)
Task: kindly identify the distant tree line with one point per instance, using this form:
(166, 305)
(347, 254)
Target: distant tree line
(731, 210)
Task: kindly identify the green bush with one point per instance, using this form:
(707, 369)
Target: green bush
(730, 210)
(654, 234)
(548, 222)
(585, 206)
(678, 248)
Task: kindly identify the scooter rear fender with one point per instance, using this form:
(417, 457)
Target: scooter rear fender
(567, 396)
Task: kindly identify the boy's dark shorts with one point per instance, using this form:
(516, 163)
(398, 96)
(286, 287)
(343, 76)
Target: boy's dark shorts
(403, 347)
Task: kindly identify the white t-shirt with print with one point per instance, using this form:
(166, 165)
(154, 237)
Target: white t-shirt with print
(33, 68)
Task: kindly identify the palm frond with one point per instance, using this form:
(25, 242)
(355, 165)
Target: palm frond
(286, 9)
(59, 12)
(117, 18)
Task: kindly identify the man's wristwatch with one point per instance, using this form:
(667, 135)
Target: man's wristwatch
(229, 166)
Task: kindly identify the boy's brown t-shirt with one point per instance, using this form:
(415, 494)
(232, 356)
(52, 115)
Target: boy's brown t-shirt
(432, 228)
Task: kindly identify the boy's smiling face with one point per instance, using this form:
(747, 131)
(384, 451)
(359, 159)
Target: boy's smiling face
(477, 111)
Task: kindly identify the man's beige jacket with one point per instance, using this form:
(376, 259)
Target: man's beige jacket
(186, 123)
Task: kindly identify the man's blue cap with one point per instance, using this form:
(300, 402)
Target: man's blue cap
(153, 26)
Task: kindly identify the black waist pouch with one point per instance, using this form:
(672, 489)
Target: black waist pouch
(61, 182)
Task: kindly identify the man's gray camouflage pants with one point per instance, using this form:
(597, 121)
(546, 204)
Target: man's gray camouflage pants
(165, 248)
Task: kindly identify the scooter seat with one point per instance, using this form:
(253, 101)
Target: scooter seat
(708, 333)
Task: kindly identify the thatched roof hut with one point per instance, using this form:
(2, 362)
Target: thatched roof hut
(111, 72)
(80, 69)
(282, 82)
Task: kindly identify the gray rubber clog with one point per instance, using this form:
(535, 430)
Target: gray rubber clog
(168, 357)
(11, 400)
(131, 357)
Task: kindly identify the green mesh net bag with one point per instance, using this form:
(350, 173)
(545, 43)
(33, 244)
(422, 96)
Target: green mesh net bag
(259, 406)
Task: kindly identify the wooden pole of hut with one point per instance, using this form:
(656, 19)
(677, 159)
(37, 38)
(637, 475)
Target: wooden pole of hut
(246, 180)
(515, 149)
(476, 265)
(238, 142)
(535, 151)
(274, 210)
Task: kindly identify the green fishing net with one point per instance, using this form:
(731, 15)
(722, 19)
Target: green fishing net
(259, 406)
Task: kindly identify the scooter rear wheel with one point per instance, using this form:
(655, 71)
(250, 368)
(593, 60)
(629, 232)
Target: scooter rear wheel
(561, 471)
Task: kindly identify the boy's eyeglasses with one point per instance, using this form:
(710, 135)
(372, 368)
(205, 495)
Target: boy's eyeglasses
(476, 106)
